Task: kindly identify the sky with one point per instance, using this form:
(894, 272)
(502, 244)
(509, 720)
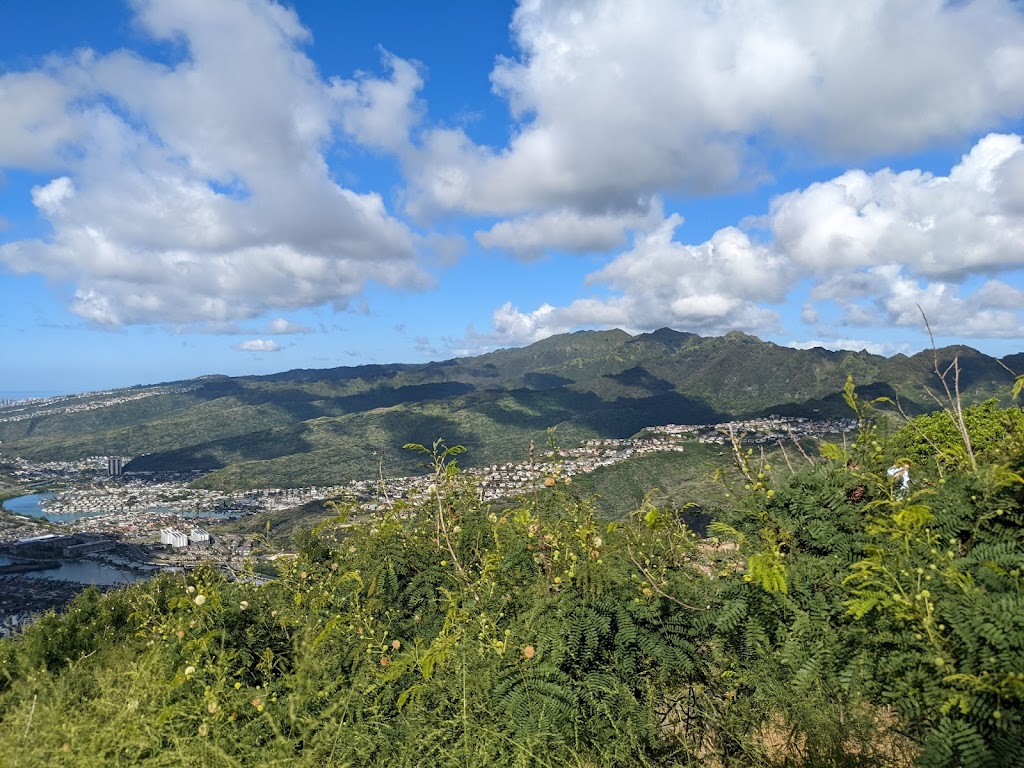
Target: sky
(240, 187)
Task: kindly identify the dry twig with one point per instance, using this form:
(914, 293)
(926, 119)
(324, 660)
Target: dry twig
(955, 408)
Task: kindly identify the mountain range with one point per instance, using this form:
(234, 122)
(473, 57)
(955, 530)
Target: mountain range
(319, 427)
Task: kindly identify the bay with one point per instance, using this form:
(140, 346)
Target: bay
(31, 505)
(86, 572)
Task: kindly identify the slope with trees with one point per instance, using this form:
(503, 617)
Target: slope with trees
(331, 426)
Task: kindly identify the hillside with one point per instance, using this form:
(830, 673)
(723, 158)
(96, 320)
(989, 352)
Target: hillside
(307, 427)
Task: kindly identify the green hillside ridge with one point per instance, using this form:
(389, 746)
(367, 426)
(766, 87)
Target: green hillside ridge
(330, 426)
(671, 480)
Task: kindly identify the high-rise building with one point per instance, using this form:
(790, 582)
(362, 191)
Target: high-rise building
(173, 537)
(115, 466)
(199, 536)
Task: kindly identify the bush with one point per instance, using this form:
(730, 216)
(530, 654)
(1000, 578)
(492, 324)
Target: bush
(840, 622)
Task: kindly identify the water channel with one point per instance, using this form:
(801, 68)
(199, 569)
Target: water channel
(32, 506)
(82, 572)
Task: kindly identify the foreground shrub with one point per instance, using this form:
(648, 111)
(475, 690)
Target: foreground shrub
(836, 620)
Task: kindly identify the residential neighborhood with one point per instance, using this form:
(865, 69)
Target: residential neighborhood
(137, 506)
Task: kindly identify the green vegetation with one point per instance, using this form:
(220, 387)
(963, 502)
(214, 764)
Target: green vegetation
(838, 620)
(281, 530)
(311, 427)
(672, 480)
(935, 440)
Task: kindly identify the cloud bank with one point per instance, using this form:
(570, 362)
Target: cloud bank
(616, 101)
(873, 246)
(204, 190)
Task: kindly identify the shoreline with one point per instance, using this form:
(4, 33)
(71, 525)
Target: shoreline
(27, 566)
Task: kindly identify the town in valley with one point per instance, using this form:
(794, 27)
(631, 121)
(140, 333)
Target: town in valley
(93, 516)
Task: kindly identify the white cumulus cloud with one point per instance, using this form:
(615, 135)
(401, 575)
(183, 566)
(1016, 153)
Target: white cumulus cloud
(258, 345)
(934, 225)
(282, 326)
(198, 190)
(566, 229)
(37, 125)
(617, 101)
(881, 247)
(380, 112)
(711, 288)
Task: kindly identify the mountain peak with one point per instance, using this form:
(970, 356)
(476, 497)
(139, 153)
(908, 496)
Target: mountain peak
(665, 336)
(741, 336)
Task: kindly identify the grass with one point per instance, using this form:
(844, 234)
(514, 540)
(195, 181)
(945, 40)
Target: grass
(281, 529)
(665, 479)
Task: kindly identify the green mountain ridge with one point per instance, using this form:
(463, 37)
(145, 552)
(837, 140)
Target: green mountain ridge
(308, 426)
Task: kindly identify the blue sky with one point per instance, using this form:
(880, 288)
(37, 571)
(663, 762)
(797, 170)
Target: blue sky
(243, 187)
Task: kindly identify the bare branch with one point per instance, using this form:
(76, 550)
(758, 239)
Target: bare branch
(955, 408)
(785, 456)
(799, 447)
(741, 462)
(655, 587)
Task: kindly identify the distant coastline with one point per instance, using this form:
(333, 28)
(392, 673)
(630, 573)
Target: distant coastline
(29, 394)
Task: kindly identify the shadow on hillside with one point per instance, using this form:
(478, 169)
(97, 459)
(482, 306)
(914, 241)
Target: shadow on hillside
(618, 418)
(217, 454)
(975, 369)
(544, 381)
(627, 416)
(639, 376)
(303, 405)
(834, 406)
